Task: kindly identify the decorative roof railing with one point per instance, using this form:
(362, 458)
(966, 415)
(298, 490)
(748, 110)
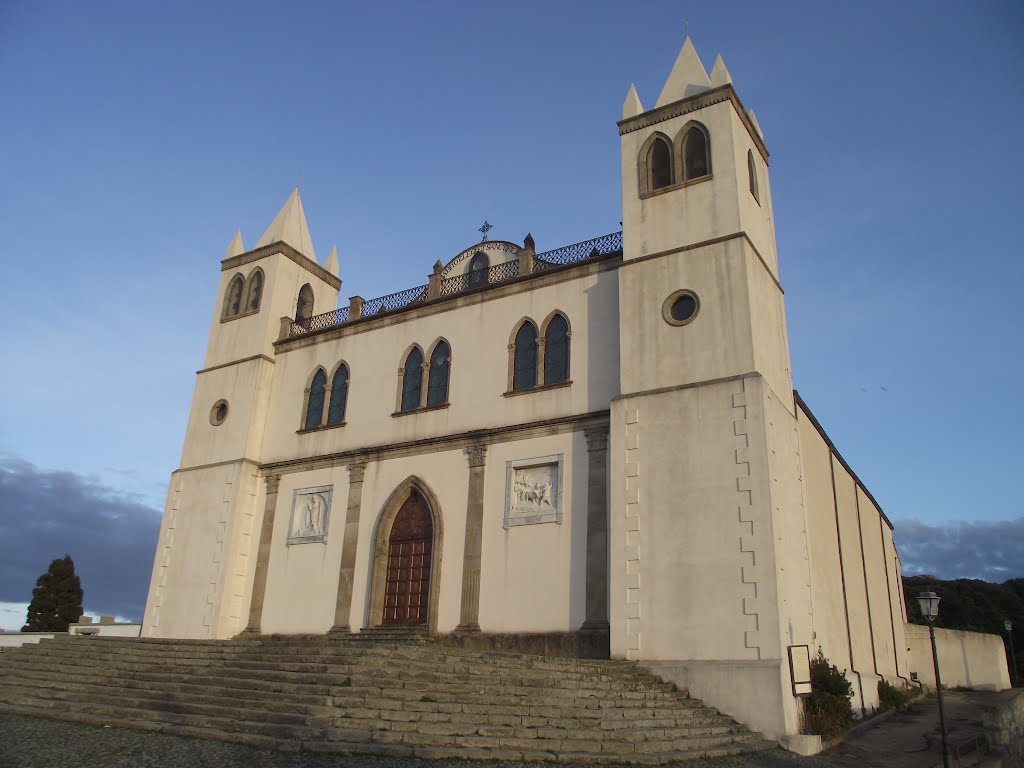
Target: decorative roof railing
(319, 322)
(466, 281)
(588, 249)
(395, 301)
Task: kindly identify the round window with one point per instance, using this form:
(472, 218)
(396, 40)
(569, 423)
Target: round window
(680, 308)
(219, 412)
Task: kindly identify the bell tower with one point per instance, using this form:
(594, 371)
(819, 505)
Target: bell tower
(215, 494)
(707, 516)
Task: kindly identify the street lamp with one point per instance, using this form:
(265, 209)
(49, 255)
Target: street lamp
(928, 602)
(1013, 656)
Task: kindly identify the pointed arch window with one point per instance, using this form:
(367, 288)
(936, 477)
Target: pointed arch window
(315, 403)
(255, 291)
(233, 302)
(412, 380)
(339, 396)
(659, 161)
(437, 384)
(556, 350)
(696, 153)
(524, 369)
(304, 305)
(478, 266)
(752, 173)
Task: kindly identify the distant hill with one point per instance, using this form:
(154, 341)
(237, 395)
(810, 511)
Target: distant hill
(975, 605)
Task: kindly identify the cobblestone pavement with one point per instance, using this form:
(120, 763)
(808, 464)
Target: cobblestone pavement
(33, 742)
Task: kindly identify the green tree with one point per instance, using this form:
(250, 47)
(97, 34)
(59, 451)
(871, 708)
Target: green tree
(56, 599)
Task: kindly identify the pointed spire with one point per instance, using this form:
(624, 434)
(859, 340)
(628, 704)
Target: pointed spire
(753, 119)
(687, 78)
(289, 226)
(235, 247)
(331, 265)
(632, 107)
(719, 74)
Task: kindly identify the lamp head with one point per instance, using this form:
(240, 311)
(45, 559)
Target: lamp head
(928, 602)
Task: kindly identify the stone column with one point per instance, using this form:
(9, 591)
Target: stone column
(259, 583)
(343, 605)
(596, 624)
(469, 616)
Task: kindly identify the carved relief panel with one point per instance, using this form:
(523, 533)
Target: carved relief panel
(533, 491)
(311, 508)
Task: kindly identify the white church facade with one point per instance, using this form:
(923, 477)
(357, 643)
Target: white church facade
(596, 448)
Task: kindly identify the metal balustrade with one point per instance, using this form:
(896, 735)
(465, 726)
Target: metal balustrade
(499, 273)
(395, 301)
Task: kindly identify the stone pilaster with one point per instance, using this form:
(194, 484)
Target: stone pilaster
(343, 604)
(596, 623)
(259, 584)
(469, 616)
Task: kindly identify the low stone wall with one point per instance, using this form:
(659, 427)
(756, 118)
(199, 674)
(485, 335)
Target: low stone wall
(968, 659)
(10, 640)
(1004, 724)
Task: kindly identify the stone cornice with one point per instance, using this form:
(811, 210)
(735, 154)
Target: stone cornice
(458, 441)
(692, 104)
(285, 250)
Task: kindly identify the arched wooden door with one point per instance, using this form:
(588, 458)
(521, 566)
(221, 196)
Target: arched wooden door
(407, 589)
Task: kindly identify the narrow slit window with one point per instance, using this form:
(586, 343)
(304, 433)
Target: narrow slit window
(255, 290)
(234, 303)
(339, 396)
(660, 161)
(440, 363)
(524, 369)
(695, 153)
(478, 267)
(315, 404)
(556, 351)
(304, 305)
(752, 173)
(412, 380)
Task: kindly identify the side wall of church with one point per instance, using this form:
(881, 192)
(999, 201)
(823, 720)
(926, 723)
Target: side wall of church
(858, 598)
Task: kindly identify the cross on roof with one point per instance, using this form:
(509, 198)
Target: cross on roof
(485, 229)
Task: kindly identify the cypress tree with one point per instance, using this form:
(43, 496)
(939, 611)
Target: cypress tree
(56, 599)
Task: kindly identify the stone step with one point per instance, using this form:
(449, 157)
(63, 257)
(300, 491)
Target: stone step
(158, 702)
(631, 687)
(634, 682)
(403, 695)
(497, 700)
(469, 665)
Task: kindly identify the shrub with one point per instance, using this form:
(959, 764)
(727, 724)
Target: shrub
(892, 697)
(827, 710)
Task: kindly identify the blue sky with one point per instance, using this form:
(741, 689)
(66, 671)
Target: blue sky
(138, 136)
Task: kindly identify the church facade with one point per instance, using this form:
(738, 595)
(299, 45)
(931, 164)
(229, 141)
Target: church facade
(597, 445)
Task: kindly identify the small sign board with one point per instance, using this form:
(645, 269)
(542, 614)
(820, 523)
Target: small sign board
(800, 669)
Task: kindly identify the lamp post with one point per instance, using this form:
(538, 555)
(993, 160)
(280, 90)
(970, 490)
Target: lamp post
(1013, 656)
(929, 605)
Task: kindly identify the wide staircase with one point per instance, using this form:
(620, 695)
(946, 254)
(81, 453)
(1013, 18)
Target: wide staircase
(390, 694)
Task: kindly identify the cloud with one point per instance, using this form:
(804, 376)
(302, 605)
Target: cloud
(992, 550)
(110, 534)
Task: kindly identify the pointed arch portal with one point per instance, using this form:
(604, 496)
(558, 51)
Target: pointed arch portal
(407, 585)
(405, 575)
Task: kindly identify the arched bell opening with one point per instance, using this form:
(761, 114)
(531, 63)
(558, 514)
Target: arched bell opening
(405, 581)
